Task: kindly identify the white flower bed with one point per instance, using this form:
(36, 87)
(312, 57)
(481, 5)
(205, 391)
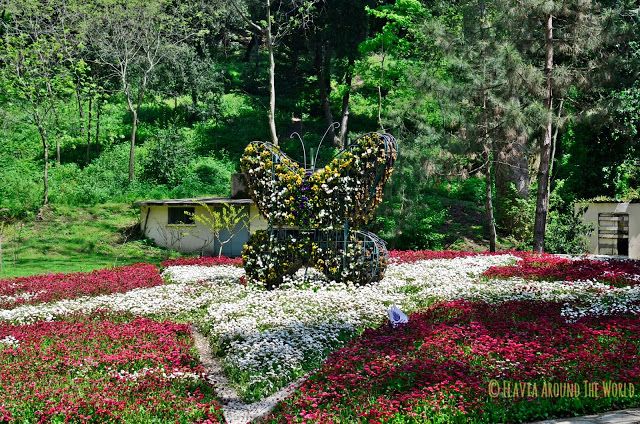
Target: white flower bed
(165, 299)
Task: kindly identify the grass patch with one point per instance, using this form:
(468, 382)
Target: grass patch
(70, 239)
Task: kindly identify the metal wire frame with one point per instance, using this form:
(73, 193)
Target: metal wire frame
(390, 148)
(373, 250)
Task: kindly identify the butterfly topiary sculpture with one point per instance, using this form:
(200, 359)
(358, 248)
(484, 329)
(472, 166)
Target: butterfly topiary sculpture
(316, 216)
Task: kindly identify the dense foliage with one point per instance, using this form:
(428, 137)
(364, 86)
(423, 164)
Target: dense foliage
(108, 100)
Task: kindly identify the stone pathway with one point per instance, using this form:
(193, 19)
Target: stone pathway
(234, 409)
(626, 416)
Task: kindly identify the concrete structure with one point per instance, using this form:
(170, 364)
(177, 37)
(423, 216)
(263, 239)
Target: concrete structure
(171, 223)
(616, 227)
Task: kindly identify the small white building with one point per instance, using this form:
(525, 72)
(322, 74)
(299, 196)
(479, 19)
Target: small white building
(171, 223)
(616, 227)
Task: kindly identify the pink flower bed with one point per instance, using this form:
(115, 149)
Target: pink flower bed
(203, 260)
(107, 368)
(439, 367)
(51, 287)
(551, 267)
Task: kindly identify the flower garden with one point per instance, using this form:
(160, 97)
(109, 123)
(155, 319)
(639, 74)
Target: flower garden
(117, 345)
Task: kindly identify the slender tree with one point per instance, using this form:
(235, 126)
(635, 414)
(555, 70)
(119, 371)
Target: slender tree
(131, 38)
(278, 18)
(562, 40)
(34, 71)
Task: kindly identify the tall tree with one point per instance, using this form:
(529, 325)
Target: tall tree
(560, 40)
(277, 18)
(131, 38)
(34, 69)
(336, 34)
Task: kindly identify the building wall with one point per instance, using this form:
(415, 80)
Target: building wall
(195, 238)
(591, 217)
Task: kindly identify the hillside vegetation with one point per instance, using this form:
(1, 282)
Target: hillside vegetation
(71, 239)
(487, 136)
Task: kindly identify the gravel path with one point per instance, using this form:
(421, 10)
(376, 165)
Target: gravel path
(234, 409)
(626, 416)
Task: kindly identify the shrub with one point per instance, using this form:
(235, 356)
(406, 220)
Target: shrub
(416, 225)
(20, 190)
(167, 155)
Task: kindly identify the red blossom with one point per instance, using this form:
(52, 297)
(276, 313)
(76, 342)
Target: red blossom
(556, 268)
(52, 287)
(93, 370)
(438, 366)
(411, 256)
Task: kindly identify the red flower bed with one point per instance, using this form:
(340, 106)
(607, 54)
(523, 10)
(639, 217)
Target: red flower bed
(204, 261)
(411, 256)
(102, 370)
(439, 366)
(551, 267)
(46, 288)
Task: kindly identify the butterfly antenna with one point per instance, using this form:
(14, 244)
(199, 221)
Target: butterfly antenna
(304, 151)
(335, 126)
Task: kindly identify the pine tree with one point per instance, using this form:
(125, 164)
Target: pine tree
(557, 39)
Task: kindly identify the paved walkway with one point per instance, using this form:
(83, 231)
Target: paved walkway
(234, 409)
(626, 416)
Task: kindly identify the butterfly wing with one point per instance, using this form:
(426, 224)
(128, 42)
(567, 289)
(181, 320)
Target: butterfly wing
(351, 185)
(274, 182)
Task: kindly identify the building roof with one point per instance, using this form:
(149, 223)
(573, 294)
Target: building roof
(603, 199)
(195, 201)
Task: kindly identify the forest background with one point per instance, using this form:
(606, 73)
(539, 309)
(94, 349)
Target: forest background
(507, 113)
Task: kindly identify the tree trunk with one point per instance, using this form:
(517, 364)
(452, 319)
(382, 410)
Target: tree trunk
(491, 222)
(323, 88)
(57, 151)
(272, 79)
(132, 150)
(346, 97)
(89, 130)
(80, 108)
(45, 174)
(97, 138)
(252, 48)
(380, 89)
(542, 201)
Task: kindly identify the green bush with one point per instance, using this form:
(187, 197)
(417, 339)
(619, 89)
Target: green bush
(206, 175)
(20, 190)
(516, 216)
(167, 154)
(565, 232)
(106, 178)
(418, 225)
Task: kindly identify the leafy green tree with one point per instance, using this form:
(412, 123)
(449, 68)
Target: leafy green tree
(228, 218)
(560, 40)
(275, 20)
(34, 71)
(132, 39)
